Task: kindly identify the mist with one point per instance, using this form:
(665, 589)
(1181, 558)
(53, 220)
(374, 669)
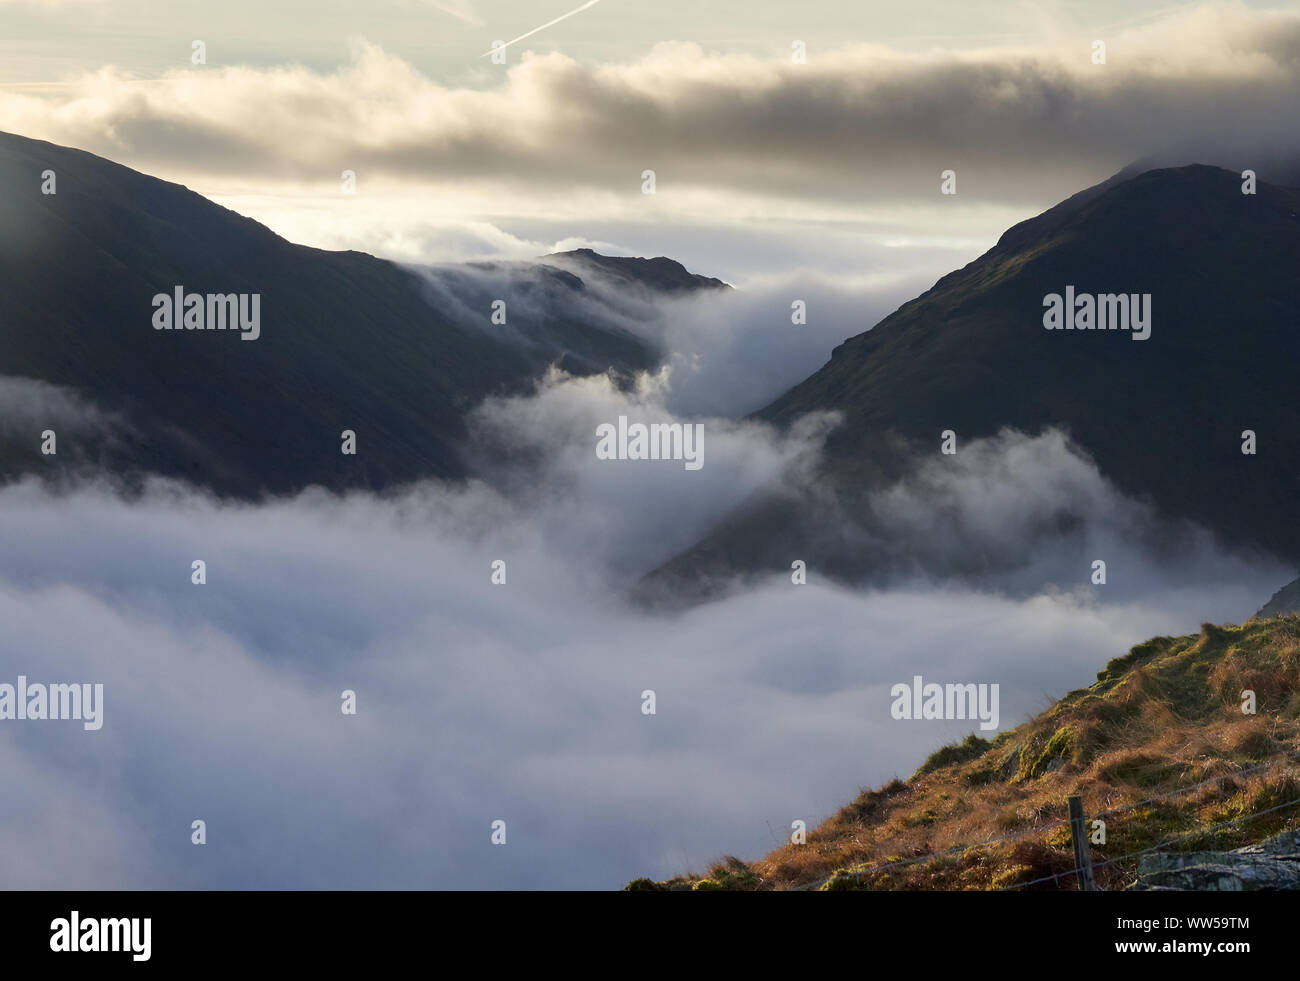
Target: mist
(724, 353)
(521, 701)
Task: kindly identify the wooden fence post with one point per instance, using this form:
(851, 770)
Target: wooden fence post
(1082, 853)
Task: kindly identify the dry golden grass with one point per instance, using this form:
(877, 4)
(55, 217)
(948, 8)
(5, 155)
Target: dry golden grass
(1165, 716)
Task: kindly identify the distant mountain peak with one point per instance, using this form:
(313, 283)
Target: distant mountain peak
(660, 273)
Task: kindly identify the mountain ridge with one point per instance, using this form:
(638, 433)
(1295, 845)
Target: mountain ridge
(970, 356)
(246, 419)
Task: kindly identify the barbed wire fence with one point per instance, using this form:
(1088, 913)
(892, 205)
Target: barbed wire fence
(1197, 833)
(1282, 760)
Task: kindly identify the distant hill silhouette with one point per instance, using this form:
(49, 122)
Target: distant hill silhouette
(1285, 600)
(348, 341)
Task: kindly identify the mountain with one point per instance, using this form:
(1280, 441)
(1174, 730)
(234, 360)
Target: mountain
(1163, 721)
(661, 274)
(347, 341)
(1163, 417)
(1276, 161)
(1285, 600)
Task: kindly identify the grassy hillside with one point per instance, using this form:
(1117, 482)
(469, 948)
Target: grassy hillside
(1165, 716)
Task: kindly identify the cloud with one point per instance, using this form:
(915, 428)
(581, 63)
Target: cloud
(28, 405)
(86, 437)
(1025, 514)
(836, 161)
(734, 353)
(859, 123)
(621, 519)
(518, 702)
(726, 353)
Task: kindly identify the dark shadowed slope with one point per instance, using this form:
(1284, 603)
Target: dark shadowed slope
(1162, 417)
(347, 341)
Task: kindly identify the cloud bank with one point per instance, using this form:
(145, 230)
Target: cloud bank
(726, 352)
(517, 702)
(858, 122)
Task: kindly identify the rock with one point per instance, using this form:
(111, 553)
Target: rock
(1285, 600)
(1269, 865)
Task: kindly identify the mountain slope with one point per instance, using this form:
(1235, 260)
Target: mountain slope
(1163, 718)
(1162, 417)
(1285, 600)
(347, 341)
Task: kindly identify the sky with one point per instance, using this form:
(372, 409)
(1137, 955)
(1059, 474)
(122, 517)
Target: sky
(762, 165)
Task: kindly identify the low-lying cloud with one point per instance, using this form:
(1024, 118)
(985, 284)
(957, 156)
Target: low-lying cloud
(28, 405)
(518, 702)
(727, 352)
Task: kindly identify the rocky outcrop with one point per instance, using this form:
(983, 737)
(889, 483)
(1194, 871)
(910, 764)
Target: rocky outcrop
(1285, 600)
(1270, 865)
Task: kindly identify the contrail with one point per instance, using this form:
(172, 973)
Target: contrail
(549, 23)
